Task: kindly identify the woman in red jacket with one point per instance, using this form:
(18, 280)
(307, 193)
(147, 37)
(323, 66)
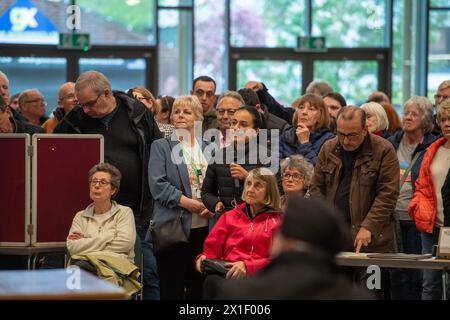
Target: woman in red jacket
(426, 206)
(243, 235)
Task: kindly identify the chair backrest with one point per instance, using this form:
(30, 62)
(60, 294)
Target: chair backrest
(138, 255)
(139, 262)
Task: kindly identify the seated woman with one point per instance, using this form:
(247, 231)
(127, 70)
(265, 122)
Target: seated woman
(310, 129)
(243, 235)
(377, 119)
(101, 239)
(296, 176)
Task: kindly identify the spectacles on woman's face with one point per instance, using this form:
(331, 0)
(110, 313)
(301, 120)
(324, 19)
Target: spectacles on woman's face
(296, 177)
(102, 182)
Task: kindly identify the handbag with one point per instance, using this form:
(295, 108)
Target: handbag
(168, 235)
(214, 266)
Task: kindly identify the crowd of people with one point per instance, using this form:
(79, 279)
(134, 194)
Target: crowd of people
(262, 190)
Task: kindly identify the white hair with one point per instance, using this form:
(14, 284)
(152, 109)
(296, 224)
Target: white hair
(379, 112)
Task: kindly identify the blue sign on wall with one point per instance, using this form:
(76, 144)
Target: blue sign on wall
(24, 16)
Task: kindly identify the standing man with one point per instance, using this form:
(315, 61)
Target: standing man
(32, 106)
(204, 88)
(358, 173)
(9, 124)
(228, 103)
(4, 86)
(66, 102)
(129, 129)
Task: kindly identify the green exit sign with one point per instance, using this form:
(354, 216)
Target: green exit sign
(311, 44)
(74, 41)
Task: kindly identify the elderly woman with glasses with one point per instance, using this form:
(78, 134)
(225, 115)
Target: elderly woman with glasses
(296, 176)
(101, 239)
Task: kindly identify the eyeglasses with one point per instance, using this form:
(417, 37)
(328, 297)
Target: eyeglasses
(102, 183)
(350, 136)
(201, 93)
(412, 114)
(39, 100)
(295, 177)
(90, 104)
(68, 97)
(229, 111)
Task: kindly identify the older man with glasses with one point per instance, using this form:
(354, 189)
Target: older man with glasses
(32, 106)
(227, 105)
(358, 173)
(129, 129)
(66, 102)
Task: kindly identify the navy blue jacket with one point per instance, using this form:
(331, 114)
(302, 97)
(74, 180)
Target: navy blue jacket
(290, 145)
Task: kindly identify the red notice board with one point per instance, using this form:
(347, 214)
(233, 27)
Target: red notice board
(61, 165)
(14, 189)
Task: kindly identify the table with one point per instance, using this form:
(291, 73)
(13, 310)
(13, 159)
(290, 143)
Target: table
(32, 253)
(361, 260)
(56, 284)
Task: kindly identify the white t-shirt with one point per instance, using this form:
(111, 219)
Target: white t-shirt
(193, 157)
(439, 170)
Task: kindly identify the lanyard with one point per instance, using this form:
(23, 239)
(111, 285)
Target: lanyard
(197, 171)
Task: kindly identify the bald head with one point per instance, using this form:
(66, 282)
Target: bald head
(66, 96)
(4, 86)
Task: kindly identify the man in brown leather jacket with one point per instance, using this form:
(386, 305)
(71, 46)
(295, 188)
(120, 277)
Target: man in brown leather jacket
(358, 173)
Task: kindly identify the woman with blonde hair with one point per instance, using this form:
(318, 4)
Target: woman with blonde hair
(243, 236)
(177, 168)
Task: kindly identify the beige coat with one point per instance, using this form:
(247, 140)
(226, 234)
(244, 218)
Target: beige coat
(374, 187)
(114, 236)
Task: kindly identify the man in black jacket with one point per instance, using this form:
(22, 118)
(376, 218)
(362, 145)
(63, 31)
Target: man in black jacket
(129, 129)
(303, 267)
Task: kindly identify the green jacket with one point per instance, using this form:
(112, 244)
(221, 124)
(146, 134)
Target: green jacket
(116, 270)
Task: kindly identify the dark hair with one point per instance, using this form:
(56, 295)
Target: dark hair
(336, 96)
(257, 119)
(378, 97)
(205, 79)
(250, 97)
(349, 112)
(166, 103)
